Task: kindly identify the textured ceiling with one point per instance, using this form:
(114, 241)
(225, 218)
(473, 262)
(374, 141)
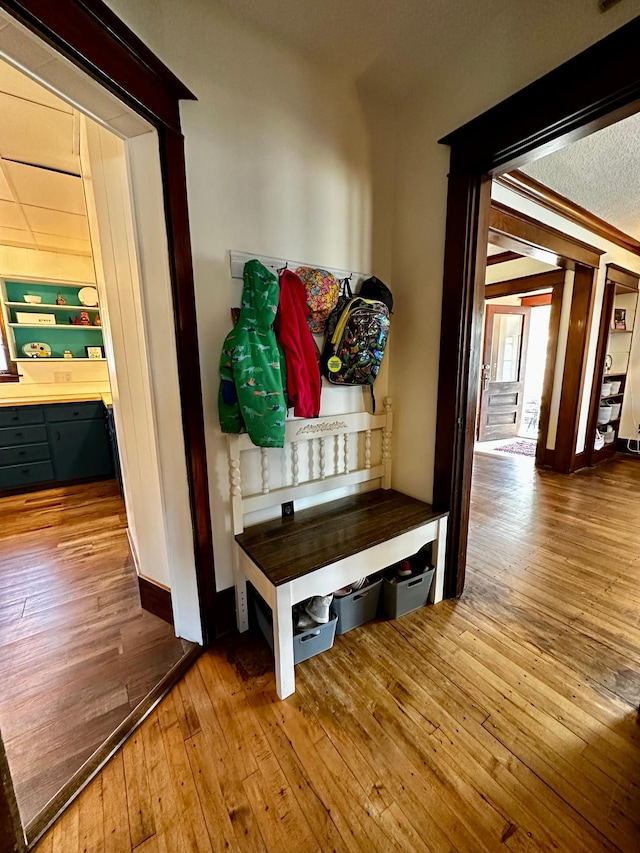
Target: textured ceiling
(600, 173)
(41, 196)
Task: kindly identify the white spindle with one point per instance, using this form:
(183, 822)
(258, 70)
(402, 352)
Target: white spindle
(323, 472)
(386, 443)
(346, 452)
(235, 477)
(294, 463)
(264, 463)
(235, 484)
(367, 448)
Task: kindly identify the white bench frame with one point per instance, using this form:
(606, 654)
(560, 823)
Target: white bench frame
(343, 572)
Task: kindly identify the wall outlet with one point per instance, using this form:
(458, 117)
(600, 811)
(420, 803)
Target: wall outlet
(287, 509)
(62, 376)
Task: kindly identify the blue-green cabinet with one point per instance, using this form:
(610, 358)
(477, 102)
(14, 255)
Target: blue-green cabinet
(53, 443)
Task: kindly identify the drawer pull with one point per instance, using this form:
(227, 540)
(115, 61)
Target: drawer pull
(19, 434)
(22, 453)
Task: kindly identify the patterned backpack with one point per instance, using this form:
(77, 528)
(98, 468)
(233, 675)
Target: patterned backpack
(322, 294)
(353, 354)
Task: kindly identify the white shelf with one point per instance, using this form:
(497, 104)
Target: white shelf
(68, 327)
(39, 305)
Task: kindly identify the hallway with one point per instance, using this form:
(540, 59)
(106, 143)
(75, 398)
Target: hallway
(505, 719)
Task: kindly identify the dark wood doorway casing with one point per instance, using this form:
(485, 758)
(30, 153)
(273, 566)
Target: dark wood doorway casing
(89, 34)
(596, 88)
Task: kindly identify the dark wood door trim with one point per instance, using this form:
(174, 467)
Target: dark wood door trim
(89, 34)
(536, 300)
(525, 284)
(533, 190)
(622, 276)
(460, 358)
(535, 237)
(502, 258)
(92, 36)
(582, 301)
(594, 89)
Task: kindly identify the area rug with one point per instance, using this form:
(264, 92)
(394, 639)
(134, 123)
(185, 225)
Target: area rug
(522, 447)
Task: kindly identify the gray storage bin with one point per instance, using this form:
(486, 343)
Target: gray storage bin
(306, 644)
(358, 607)
(406, 595)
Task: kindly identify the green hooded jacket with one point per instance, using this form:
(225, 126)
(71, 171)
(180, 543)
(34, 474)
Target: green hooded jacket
(251, 393)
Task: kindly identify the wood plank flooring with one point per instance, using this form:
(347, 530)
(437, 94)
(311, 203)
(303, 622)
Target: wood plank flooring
(505, 720)
(77, 652)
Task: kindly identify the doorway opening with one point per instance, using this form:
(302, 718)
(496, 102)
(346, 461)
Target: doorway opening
(514, 384)
(492, 145)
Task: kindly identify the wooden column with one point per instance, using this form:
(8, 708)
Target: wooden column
(565, 457)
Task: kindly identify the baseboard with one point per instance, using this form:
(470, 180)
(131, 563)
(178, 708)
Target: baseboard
(155, 599)
(580, 460)
(90, 769)
(549, 458)
(623, 447)
(225, 611)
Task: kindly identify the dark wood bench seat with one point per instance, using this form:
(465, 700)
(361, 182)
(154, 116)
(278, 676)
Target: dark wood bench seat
(286, 549)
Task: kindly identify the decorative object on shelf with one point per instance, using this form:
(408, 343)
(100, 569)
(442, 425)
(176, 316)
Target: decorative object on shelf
(60, 300)
(75, 321)
(67, 354)
(84, 319)
(32, 299)
(94, 352)
(37, 350)
(35, 319)
(88, 297)
(97, 321)
(620, 319)
(608, 363)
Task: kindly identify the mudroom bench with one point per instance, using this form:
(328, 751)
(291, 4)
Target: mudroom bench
(341, 538)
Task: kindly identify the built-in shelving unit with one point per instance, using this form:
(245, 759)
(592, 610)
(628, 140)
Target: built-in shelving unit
(612, 359)
(61, 335)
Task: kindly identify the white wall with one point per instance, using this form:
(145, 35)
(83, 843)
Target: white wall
(278, 163)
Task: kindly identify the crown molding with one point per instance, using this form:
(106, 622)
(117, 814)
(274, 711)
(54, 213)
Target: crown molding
(533, 190)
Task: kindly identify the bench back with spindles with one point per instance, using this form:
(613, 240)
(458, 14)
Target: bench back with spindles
(320, 455)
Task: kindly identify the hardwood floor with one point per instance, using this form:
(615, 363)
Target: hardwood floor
(505, 720)
(77, 652)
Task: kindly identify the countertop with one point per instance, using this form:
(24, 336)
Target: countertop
(63, 398)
